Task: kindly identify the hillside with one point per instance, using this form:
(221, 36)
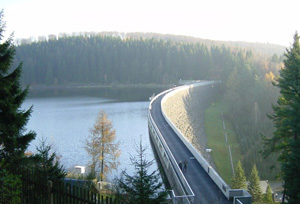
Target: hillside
(114, 58)
(261, 48)
(81, 60)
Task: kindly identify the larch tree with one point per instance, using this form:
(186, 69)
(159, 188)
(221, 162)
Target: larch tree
(142, 187)
(239, 179)
(254, 186)
(102, 147)
(286, 118)
(14, 139)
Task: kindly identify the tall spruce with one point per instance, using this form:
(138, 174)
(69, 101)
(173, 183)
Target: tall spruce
(291, 169)
(142, 187)
(13, 137)
(286, 118)
(239, 179)
(9, 181)
(254, 186)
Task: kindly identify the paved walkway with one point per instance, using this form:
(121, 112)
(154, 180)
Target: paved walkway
(205, 190)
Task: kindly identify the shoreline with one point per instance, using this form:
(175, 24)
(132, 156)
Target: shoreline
(91, 86)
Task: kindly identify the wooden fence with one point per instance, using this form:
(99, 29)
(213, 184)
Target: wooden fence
(36, 189)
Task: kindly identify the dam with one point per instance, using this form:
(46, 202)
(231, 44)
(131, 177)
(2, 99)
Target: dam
(179, 107)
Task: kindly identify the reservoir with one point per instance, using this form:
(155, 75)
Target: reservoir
(64, 118)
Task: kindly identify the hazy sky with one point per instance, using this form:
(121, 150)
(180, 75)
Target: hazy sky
(266, 21)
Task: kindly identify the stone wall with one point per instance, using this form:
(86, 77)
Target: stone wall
(186, 110)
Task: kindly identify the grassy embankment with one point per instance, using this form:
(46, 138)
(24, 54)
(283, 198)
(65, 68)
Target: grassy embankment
(216, 141)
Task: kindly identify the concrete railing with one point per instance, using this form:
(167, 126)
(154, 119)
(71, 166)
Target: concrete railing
(181, 193)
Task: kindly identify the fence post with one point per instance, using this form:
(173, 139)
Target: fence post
(50, 194)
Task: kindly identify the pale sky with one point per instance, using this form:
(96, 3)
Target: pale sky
(265, 21)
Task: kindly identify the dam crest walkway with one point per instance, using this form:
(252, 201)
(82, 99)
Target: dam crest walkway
(200, 176)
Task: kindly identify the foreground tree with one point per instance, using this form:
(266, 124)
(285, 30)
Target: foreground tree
(286, 117)
(9, 181)
(291, 169)
(254, 186)
(13, 139)
(142, 187)
(239, 179)
(47, 165)
(102, 147)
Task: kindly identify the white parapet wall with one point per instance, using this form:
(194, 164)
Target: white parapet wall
(181, 192)
(212, 173)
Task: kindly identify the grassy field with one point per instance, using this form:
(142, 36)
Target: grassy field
(216, 141)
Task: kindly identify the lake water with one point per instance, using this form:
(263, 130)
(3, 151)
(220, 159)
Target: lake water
(64, 118)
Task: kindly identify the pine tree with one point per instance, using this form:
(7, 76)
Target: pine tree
(9, 181)
(286, 118)
(46, 167)
(46, 163)
(239, 179)
(268, 197)
(102, 147)
(13, 139)
(254, 186)
(142, 187)
(291, 169)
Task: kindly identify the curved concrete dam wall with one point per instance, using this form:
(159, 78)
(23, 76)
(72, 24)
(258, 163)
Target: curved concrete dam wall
(185, 108)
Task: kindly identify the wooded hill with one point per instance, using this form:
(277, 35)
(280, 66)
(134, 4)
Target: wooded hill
(261, 48)
(111, 60)
(105, 60)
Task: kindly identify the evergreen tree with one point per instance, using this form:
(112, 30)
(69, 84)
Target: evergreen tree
(47, 165)
(291, 169)
(254, 186)
(239, 179)
(268, 197)
(9, 181)
(142, 187)
(286, 118)
(13, 139)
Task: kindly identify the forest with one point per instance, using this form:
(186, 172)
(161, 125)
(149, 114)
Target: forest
(246, 75)
(109, 60)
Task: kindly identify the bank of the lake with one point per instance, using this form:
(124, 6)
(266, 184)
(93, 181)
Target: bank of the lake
(103, 86)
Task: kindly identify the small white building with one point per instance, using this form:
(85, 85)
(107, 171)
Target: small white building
(80, 169)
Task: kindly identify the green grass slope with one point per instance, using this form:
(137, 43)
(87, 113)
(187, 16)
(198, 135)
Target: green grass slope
(216, 141)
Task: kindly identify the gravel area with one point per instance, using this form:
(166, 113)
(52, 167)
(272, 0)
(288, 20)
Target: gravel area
(186, 111)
